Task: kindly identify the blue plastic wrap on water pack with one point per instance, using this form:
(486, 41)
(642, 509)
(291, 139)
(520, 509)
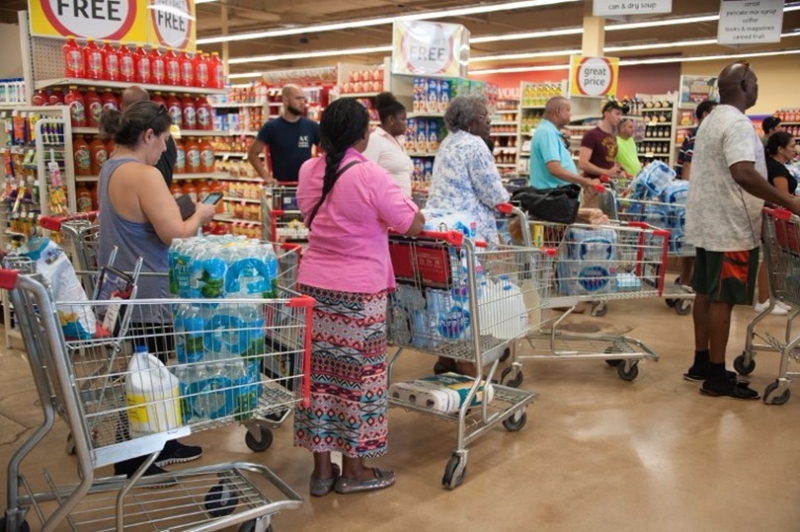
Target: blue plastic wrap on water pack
(651, 181)
(587, 262)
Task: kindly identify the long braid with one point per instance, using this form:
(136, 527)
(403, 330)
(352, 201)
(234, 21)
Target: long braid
(343, 124)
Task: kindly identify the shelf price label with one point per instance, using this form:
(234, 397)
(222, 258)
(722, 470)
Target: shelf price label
(430, 49)
(593, 76)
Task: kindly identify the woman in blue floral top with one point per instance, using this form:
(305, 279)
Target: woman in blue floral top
(465, 178)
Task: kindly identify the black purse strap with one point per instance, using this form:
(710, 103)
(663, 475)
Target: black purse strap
(341, 171)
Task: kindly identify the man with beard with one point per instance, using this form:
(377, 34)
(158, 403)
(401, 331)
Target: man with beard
(289, 137)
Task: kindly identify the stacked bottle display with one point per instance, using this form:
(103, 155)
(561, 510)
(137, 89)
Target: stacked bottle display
(138, 65)
(220, 345)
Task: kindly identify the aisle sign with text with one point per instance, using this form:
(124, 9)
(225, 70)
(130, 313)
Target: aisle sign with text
(750, 21)
(168, 23)
(593, 76)
(610, 8)
(430, 49)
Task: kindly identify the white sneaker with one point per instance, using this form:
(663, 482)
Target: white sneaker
(783, 305)
(778, 310)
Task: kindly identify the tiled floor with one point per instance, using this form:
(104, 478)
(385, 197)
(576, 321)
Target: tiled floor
(597, 453)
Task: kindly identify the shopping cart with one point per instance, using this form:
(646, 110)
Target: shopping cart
(466, 303)
(419, 196)
(670, 217)
(594, 263)
(780, 242)
(281, 217)
(79, 236)
(116, 412)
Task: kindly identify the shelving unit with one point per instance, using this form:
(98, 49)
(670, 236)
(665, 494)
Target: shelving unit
(660, 114)
(66, 82)
(533, 97)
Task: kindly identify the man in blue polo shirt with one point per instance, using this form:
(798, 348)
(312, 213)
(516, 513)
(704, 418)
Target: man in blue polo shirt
(289, 137)
(551, 162)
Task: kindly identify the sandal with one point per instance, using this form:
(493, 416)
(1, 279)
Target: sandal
(319, 487)
(383, 479)
(735, 389)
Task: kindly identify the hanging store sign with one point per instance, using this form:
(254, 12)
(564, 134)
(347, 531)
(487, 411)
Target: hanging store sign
(612, 8)
(430, 49)
(593, 76)
(750, 21)
(168, 23)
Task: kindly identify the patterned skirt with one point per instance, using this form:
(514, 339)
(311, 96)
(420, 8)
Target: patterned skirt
(347, 412)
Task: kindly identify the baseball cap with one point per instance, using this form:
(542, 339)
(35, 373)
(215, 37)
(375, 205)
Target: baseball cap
(769, 123)
(613, 104)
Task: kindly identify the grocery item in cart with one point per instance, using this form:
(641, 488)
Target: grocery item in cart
(444, 393)
(152, 394)
(442, 221)
(652, 181)
(587, 261)
(77, 321)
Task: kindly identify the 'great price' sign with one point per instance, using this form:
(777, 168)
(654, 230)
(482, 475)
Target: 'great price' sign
(168, 23)
(593, 76)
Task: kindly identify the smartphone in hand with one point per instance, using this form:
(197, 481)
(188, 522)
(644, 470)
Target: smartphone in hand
(213, 198)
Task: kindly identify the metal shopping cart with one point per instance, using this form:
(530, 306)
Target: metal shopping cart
(594, 262)
(420, 197)
(89, 382)
(780, 242)
(467, 303)
(670, 217)
(281, 217)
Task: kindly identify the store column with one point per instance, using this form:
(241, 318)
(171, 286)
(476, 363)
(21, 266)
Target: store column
(592, 45)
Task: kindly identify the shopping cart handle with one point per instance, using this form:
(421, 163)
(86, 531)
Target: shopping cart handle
(53, 223)
(550, 252)
(8, 279)
(598, 188)
(504, 208)
(302, 301)
(454, 238)
(780, 214)
(604, 178)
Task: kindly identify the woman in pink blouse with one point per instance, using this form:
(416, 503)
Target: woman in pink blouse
(349, 204)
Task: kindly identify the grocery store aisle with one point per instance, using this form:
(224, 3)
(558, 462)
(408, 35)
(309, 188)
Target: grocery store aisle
(597, 453)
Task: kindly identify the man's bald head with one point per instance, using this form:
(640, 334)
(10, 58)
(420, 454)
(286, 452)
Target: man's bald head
(134, 94)
(290, 90)
(294, 101)
(738, 85)
(557, 110)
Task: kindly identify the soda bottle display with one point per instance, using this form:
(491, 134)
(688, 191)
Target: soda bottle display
(93, 60)
(127, 71)
(82, 157)
(77, 110)
(174, 109)
(173, 68)
(158, 68)
(99, 154)
(141, 65)
(215, 67)
(110, 62)
(201, 70)
(192, 149)
(158, 99)
(73, 59)
(206, 157)
(205, 114)
(180, 158)
(57, 97)
(41, 98)
(187, 70)
(83, 198)
(189, 112)
(189, 188)
(94, 107)
(108, 100)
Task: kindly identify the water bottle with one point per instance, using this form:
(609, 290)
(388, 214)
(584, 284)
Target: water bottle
(213, 389)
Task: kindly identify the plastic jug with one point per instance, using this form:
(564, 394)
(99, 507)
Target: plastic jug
(174, 109)
(93, 60)
(201, 70)
(153, 395)
(127, 71)
(206, 156)
(99, 154)
(141, 65)
(180, 158)
(73, 59)
(173, 68)
(205, 114)
(83, 197)
(57, 97)
(217, 71)
(110, 62)
(77, 109)
(94, 107)
(108, 100)
(158, 68)
(189, 113)
(83, 156)
(192, 149)
(158, 99)
(187, 69)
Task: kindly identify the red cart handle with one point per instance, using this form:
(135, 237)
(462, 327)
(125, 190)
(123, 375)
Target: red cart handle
(53, 223)
(780, 214)
(8, 279)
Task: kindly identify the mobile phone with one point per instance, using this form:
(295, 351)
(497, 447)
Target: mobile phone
(213, 198)
(186, 205)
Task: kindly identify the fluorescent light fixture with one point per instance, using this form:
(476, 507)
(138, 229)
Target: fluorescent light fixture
(424, 15)
(523, 55)
(203, 1)
(526, 35)
(539, 68)
(245, 75)
(304, 55)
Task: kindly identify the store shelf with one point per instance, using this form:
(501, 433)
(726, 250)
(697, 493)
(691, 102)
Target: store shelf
(62, 82)
(656, 139)
(240, 200)
(532, 107)
(505, 149)
(235, 133)
(184, 132)
(504, 123)
(511, 165)
(657, 110)
(421, 154)
(423, 114)
(528, 133)
(359, 95)
(229, 177)
(201, 175)
(506, 111)
(235, 105)
(503, 134)
(223, 218)
(790, 123)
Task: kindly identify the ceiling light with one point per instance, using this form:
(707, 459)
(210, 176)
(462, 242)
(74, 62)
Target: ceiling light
(303, 55)
(243, 75)
(539, 68)
(746, 55)
(523, 55)
(424, 15)
(203, 1)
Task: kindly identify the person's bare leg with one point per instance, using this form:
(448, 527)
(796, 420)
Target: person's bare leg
(323, 469)
(701, 317)
(356, 469)
(719, 328)
(763, 284)
(687, 264)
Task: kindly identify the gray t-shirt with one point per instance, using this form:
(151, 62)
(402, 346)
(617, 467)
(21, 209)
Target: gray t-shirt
(720, 215)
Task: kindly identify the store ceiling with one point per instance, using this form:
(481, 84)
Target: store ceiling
(247, 16)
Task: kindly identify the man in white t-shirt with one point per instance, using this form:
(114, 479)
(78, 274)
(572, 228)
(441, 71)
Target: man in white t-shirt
(723, 221)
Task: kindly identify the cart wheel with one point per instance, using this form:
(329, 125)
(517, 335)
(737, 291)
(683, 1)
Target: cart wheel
(262, 444)
(250, 526)
(24, 527)
(742, 368)
(515, 425)
(454, 472)
(511, 383)
(69, 448)
(440, 368)
(505, 355)
(683, 307)
(599, 309)
(629, 375)
(779, 399)
(671, 302)
(276, 416)
(221, 501)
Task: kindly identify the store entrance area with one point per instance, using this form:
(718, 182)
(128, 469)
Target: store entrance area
(597, 453)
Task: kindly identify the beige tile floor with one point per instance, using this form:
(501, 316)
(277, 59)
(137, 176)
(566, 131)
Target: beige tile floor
(597, 453)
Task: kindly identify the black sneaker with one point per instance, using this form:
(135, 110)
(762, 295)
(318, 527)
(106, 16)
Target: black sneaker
(129, 467)
(729, 388)
(177, 453)
(694, 375)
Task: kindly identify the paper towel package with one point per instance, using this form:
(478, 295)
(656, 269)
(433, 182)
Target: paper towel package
(444, 393)
(587, 262)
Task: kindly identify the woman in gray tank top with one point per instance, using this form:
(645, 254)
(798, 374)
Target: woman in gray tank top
(140, 217)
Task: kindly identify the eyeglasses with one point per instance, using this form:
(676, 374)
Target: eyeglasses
(746, 64)
(162, 110)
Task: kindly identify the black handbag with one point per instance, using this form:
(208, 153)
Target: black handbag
(559, 205)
